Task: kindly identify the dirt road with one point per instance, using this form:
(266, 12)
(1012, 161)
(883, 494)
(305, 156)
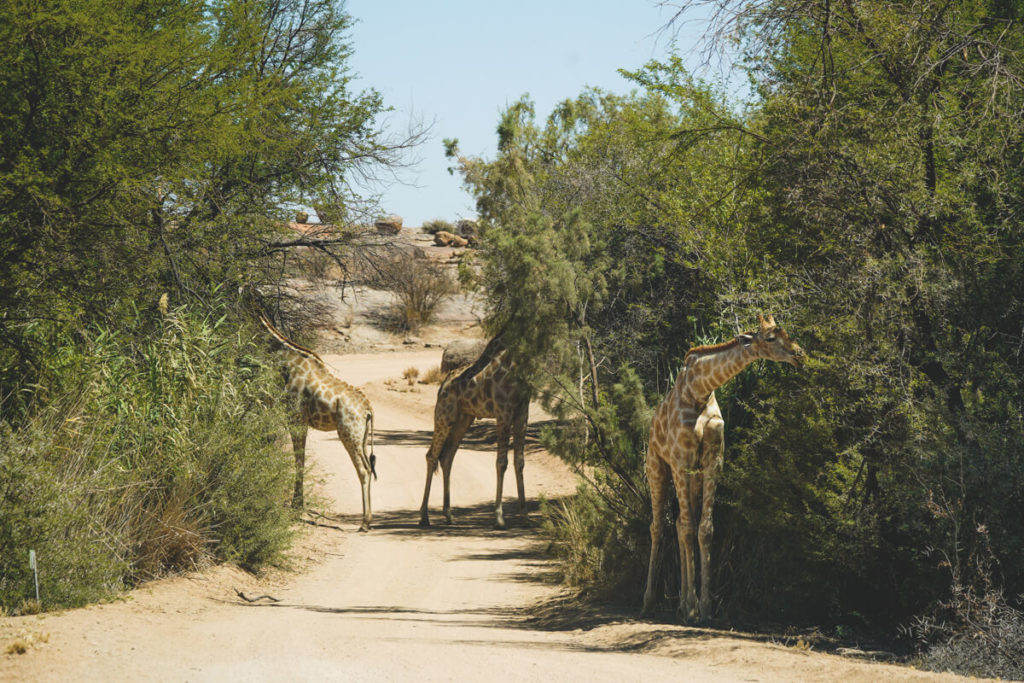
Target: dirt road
(400, 603)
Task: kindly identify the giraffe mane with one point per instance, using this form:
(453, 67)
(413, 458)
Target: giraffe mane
(490, 352)
(298, 348)
(711, 348)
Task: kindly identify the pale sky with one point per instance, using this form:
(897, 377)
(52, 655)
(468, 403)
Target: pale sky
(459, 63)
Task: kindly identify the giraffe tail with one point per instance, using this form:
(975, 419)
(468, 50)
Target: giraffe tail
(369, 433)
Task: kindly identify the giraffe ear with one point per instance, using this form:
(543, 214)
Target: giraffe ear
(745, 339)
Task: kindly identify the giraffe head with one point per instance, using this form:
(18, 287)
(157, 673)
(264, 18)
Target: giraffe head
(772, 342)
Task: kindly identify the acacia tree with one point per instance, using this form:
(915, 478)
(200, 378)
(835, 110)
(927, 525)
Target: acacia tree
(158, 147)
(889, 148)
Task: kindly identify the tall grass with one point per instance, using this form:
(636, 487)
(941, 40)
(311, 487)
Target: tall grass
(151, 450)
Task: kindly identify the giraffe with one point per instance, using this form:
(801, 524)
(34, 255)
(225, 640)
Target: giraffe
(487, 388)
(325, 403)
(687, 443)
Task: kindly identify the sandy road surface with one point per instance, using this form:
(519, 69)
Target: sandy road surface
(400, 603)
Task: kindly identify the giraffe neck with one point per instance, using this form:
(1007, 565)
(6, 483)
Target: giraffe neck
(708, 370)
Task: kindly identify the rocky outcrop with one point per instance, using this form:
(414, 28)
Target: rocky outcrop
(389, 225)
(443, 238)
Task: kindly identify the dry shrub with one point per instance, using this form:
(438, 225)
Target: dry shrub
(419, 287)
(410, 374)
(976, 631)
(170, 536)
(437, 225)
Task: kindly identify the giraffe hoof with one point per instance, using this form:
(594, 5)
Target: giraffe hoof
(500, 525)
(364, 528)
(688, 616)
(424, 522)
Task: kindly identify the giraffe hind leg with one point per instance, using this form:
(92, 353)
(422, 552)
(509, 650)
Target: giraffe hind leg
(518, 446)
(361, 463)
(500, 466)
(451, 446)
(658, 479)
(298, 434)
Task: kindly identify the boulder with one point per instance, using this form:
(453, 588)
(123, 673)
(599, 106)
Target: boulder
(389, 225)
(461, 353)
(443, 238)
(301, 217)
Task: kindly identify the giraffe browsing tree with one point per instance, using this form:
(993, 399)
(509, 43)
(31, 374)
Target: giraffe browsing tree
(687, 443)
(326, 403)
(487, 388)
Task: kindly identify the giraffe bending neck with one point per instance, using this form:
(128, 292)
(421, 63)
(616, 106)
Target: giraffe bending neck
(288, 344)
(687, 447)
(486, 388)
(324, 402)
(708, 367)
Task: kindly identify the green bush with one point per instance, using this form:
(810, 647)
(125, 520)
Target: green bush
(601, 533)
(437, 225)
(156, 452)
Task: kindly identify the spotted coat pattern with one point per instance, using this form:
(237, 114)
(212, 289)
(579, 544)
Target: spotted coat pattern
(686, 447)
(469, 393)
(325, 403)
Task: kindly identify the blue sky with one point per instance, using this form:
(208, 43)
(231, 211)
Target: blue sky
(459, 63)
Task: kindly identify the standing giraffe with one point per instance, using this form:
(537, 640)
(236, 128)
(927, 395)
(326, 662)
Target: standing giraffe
(487, 388)
(687, 442)
(325, 403)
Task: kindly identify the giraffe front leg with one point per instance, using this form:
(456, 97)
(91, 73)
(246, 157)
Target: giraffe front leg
(446, 473)
(687, 538)
(298, 434)
(714, 448)
(500, 466)
(658, 480)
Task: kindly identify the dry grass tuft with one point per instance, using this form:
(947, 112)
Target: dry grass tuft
(23, 642)
(410, 374)
(432, 376)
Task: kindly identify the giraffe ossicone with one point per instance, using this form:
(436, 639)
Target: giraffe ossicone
(325, 403)
(486, 388)
(686, 448)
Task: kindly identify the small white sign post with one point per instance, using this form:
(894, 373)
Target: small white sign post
(35, 571)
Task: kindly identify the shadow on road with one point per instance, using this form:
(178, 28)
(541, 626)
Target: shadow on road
(482, 436)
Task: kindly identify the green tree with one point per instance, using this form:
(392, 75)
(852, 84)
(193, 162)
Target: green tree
(159, 146)
(869, 195)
